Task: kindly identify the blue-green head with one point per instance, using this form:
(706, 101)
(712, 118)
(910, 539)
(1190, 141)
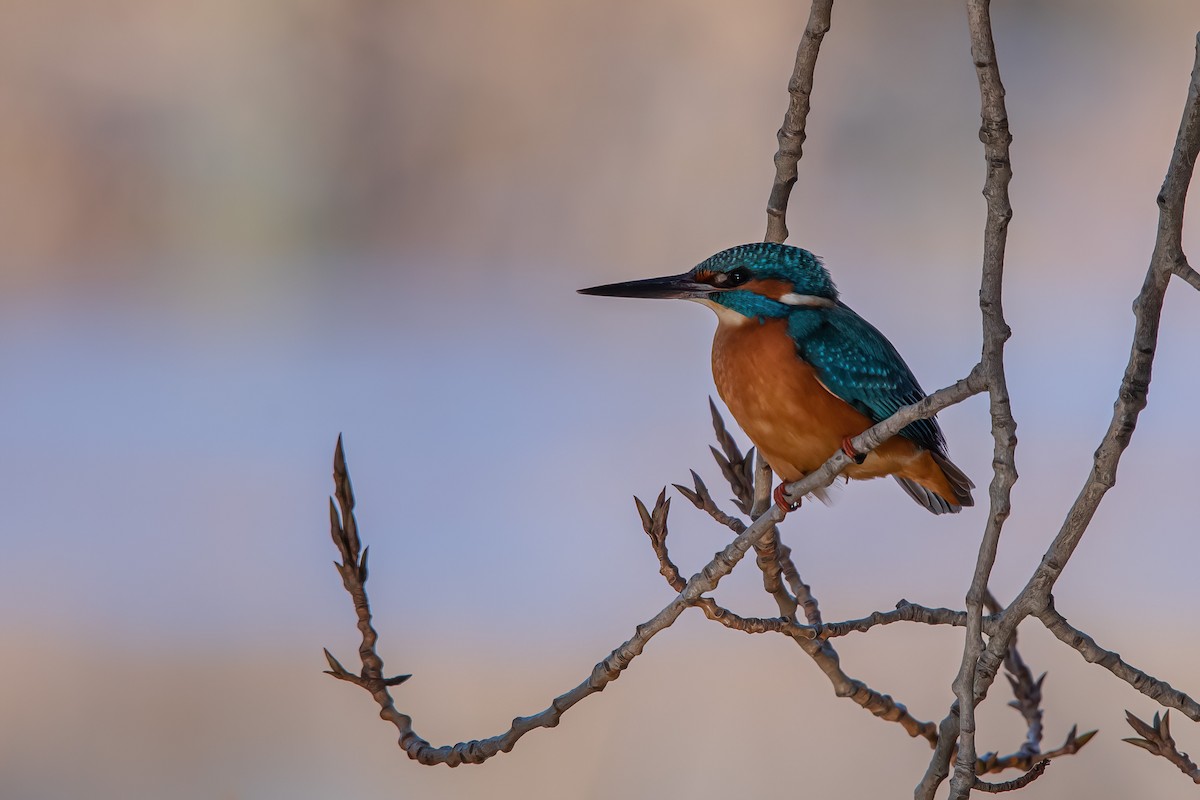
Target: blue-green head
(762, 280)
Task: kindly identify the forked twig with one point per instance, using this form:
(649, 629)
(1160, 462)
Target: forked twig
(1155, 737)
(654, 523)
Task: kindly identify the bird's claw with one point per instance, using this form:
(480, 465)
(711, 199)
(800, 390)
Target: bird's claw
(849, 450)
(782, 501)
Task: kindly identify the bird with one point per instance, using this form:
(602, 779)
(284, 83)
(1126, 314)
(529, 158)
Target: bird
(802, 373)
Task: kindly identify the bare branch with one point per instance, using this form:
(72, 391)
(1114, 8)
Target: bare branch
(750, 481)
(768, 562)
(1131, 400)
(1016, 783)
(1184, 270)
(1131, 397)
(1022, 759)
(1156, 738)
(801, 590)
(822, 653)
(774, 559)
(655, 524)
(792, 134)
(995, 135)
(608, 670)
(1157, 690)
(881, 705)
(905, 612)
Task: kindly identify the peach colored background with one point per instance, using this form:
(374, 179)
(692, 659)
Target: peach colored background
(229, 231)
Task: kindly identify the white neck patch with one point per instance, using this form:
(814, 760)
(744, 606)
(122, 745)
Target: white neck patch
(726, 316)
(807, 300)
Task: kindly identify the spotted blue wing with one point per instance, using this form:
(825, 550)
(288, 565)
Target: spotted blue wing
(858, 364)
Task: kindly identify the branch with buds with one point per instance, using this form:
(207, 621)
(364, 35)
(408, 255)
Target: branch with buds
(990, 640)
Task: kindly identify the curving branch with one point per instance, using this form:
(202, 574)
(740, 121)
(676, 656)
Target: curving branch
(1017, 783)
(792, 133)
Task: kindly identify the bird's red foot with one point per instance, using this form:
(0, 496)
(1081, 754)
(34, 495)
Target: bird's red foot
(849, 450)
(783, 501)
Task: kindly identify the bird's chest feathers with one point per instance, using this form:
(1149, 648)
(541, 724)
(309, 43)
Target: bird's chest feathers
(776, 397)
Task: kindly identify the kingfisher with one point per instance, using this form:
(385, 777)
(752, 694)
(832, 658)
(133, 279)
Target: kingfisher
(802, 373)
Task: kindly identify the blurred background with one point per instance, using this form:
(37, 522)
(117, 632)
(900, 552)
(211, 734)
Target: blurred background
(230, 231)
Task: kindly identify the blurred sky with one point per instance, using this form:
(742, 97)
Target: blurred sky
(229, 231)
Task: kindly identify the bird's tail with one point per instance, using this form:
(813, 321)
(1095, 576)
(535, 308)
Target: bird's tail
(943, 488)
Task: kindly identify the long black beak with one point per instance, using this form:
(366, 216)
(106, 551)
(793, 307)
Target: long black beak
(668, 288)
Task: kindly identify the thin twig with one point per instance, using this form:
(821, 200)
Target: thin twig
(1156, 738)
(1023, 759)
(1027, 699)
(1016, 783)
(654, 523)
(792, 133)
(905, 612)
(702, 499)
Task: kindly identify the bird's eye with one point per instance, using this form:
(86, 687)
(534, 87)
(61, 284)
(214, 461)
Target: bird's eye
(736, 277)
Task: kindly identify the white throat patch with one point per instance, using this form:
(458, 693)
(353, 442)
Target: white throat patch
(726, 316)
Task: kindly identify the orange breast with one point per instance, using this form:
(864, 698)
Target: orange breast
(794, 421)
